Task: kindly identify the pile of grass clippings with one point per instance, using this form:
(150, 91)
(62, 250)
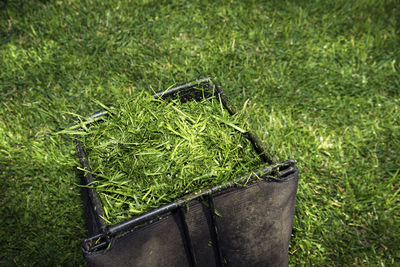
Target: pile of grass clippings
(150, 152)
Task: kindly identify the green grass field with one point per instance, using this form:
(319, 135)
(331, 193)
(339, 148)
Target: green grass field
(323, 79)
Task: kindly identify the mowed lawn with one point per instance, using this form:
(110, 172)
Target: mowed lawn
(322, 79)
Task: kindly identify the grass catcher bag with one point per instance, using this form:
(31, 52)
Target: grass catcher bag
(178, 198)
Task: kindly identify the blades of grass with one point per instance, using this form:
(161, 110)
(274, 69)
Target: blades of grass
(229, 124)
(184, 135)
(183, 114)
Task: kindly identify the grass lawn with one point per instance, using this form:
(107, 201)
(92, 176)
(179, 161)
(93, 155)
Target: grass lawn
(323, 79)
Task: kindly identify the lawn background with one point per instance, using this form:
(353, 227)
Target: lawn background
(324, 87)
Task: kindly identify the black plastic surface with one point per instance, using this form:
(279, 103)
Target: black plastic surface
(232, 225)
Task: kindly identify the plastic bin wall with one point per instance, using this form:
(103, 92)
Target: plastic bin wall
(229, 225)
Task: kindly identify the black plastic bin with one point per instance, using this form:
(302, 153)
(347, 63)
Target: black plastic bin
(253, 226)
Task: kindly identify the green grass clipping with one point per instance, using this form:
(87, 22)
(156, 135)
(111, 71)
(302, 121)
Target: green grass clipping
(150, 152)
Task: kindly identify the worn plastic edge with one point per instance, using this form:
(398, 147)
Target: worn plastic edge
(166, 213)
